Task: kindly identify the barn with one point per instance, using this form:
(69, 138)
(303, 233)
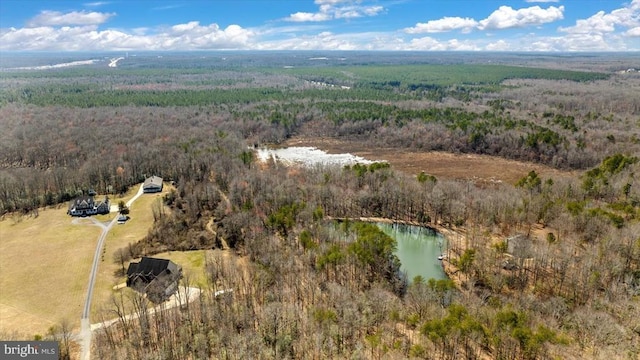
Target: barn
(152, 184)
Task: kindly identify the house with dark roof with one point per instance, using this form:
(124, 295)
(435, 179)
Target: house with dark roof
(519, 252)
(87, 205)
(152, 184)
(519, 246)
(156, 278)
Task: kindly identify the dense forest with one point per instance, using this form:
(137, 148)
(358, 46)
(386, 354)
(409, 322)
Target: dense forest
(309, 280)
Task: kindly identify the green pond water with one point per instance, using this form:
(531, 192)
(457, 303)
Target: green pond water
(418, 249)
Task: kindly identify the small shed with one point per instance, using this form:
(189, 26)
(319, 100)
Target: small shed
(152, 184)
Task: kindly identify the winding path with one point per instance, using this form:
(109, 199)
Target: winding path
(85, 324)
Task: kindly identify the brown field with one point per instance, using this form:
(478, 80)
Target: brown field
(480, 168)
(45, 262)
(44, 266)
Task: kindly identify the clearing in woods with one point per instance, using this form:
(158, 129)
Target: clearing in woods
(480, 168)
(45, 263)
(44, 266)
(120, 236)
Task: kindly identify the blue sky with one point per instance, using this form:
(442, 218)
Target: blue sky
(424, 25)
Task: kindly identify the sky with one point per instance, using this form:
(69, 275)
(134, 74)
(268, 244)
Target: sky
(389, 25)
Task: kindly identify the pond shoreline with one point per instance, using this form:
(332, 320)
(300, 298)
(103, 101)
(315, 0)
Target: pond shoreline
(450, 270)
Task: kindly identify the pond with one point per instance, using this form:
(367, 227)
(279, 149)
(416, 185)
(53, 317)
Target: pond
(418, 249)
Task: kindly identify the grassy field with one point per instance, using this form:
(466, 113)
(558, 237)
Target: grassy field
(120, 236)
(481, 168)
(192, 262)
(45, 263)
(44, 271)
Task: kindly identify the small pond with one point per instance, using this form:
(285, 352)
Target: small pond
(418, 249)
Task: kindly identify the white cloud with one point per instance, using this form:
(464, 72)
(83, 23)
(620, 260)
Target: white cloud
(598, 23)
(372, 10)
(499, 45)
(635, 32)
(571, 42)
(602, 22)
(506, 17)
(336, 9)
(349, 12)
(56, 18)
(443, 25)
(308, 17)
(96, 3)
(426, 43)
(189, 36)
(183, 28)
(503, 18)
(465, 45)
(576, 42)
(326, 40)
(192, 36)
(616, 30)
(140, 31)
(322, 41)
(430, 44)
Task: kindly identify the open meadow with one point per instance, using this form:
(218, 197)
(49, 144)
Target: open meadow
(120, 236)
(45, 263)
(110, 273)
(481, 169)
(46, 260)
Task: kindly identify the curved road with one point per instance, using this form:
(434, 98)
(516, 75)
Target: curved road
(85, 324)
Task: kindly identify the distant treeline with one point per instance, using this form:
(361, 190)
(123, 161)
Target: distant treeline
(87, 96)
(408, 76)
(390, 83)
